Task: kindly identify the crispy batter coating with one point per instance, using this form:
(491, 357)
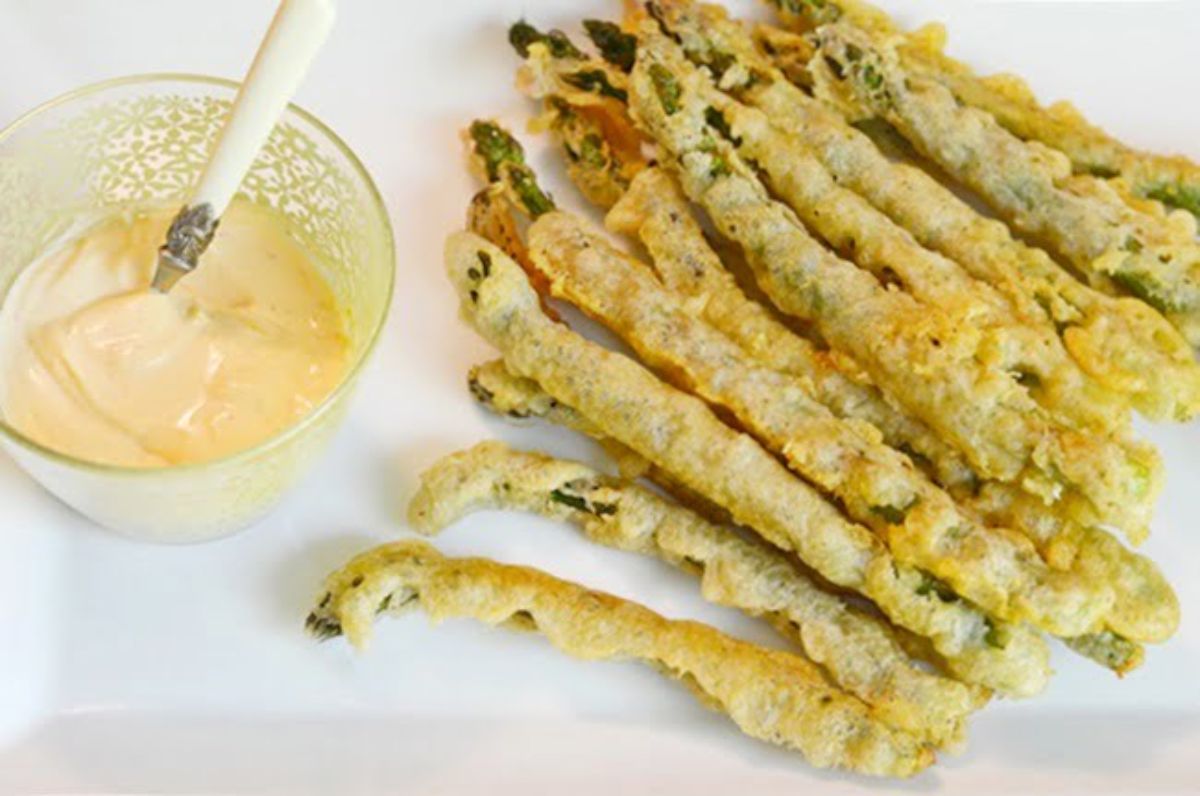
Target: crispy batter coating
(1172, 180)
(651, 208)
(1146, 608)
(1026, 346)
(1119, 248)
(790, 52)
(516, 397)
(997, 569)
(681, 435)
(1110, 651)
(1122, 342)
(773, 696)
(601, 147)
(859, 651)
(807, 14)
(655, 211)
(490, 216)
(921, 357)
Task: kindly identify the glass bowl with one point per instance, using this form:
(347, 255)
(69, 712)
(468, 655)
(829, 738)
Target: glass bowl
(143, 141)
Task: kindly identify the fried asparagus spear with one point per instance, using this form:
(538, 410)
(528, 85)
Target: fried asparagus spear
(1172, 180)
(515, 397)
(545, 81)
(773, 696)
(1122, 342)
(678, 433)
(584, 109)
(996, 569)
(687, 264)
(1118, 248)
(1146, 603)
(654, 211)
(1145, 608)
(1026, 346)
(859, 652)
(921, 357)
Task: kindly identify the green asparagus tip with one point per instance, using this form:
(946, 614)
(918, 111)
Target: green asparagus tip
(994, 637)
(615, 45)
(494, 144)
(522, 36)
(498, 149)
(1099, 170)
(322, 627)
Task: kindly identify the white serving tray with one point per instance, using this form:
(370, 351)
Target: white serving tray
(134, 669)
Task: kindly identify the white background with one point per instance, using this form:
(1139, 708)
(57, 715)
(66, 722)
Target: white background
(126, 668)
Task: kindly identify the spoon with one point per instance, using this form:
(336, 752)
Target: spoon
(297, 32)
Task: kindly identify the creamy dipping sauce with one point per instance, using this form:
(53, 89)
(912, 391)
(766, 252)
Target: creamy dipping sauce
(96, 365)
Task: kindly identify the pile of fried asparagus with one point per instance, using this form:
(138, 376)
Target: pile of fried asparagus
(895, 428)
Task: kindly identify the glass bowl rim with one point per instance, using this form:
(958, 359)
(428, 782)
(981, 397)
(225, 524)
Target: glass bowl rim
(348, 379)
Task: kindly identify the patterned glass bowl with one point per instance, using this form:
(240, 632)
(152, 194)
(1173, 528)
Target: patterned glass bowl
(143, 141)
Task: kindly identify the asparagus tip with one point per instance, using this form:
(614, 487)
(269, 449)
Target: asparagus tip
(495, 145)
(522, 36)
(504, 160)
(615, 45)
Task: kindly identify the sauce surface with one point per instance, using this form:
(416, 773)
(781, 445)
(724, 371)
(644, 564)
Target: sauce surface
(96, 365)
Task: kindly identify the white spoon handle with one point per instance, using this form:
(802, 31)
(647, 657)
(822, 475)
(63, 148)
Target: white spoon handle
(299, 29)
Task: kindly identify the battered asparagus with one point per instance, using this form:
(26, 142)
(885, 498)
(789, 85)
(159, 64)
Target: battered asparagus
(1172, 180)
(773, 696)
(678, 433)
(503, 393)
(1147, 607)
(686, 262)
(652, 209)
(655, 212)
(1122, 342)
(603, 151)
(1024, 345)
(1115, 246)
(859, 651)
(918, 355)
(998, 570)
